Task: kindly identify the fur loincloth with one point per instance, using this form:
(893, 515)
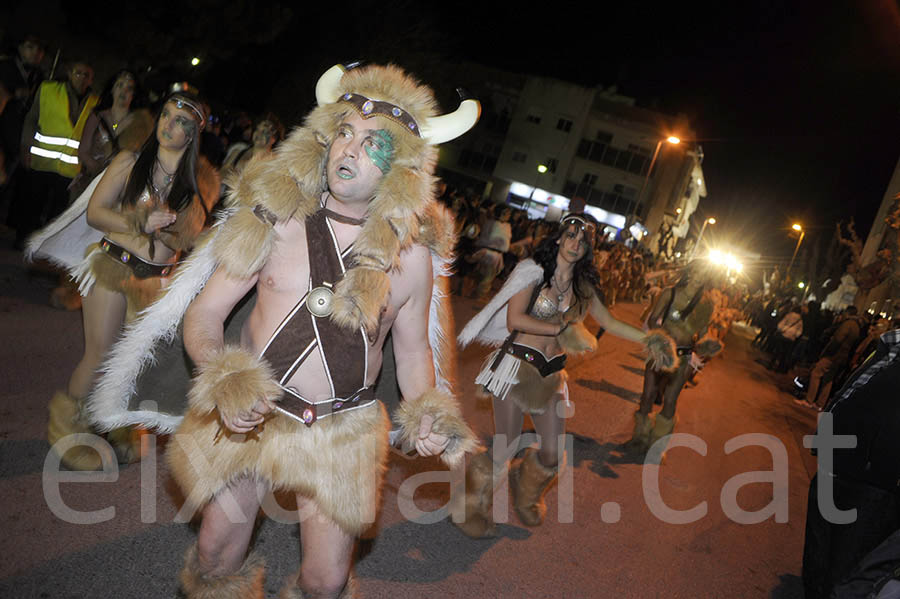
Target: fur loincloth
(339, 462)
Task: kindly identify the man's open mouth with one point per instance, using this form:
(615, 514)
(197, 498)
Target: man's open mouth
(344, 172)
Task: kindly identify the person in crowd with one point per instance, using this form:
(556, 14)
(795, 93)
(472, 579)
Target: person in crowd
(536, 317)
(267, 133)
(833, 360)
(49, 148)
(862, 478)
(788, 332)
(20, 75)
(150, 207)
(490, 248)
(118, 122)
(683, 311)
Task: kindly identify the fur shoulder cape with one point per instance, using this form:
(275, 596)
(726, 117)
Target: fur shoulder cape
(144, 378)
(489, 325)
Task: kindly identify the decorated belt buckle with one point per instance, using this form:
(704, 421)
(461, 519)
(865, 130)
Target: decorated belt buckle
(320, 302)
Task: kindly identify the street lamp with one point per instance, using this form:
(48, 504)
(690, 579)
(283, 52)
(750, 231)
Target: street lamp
(541, 169)
(195, 61)
(708, 221)
(672, 140)
(799, 229)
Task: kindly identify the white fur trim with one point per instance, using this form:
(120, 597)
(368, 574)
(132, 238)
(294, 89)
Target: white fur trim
(108, 402)
(64, 239)
(489, 325)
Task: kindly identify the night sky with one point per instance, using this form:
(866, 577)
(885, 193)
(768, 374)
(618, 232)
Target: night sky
(796, 104)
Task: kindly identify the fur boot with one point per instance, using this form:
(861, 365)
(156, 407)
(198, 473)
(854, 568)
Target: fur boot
(126, 442)
(292, 591)
(662, 427)
(478, 497)
(246, 583)
(529, 479)
(640, 438)
(67, 418)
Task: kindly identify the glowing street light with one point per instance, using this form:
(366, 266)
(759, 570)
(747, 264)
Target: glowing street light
(708, 221)
(672, 140)
(796, 227)
(542, 168)
(195, 61)
(801, 284)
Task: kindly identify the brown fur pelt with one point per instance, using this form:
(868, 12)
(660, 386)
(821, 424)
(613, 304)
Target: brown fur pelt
(533, 393)
(232, 380)
(246, 583)
(338, 462)
(576, 339)
(116, 276)
(661, 351)
(448, 421)
(291, 183)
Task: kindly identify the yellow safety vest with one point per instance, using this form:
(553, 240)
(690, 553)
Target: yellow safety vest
(55, 144)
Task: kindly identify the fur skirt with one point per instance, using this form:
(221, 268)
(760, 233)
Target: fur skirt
(99, 268)
(338, 462)
(522, 383)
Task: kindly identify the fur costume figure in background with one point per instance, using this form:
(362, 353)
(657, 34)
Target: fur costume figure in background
(684, 311)
(338, 461)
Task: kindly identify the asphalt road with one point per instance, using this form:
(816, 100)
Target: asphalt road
(603, 537)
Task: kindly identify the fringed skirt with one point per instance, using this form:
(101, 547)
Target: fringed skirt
(519, 381)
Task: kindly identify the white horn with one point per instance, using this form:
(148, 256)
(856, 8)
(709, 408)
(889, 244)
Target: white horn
(443, 128)
(328, 84)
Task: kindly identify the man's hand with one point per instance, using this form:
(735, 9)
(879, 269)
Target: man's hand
(428, 442)
(245, 421)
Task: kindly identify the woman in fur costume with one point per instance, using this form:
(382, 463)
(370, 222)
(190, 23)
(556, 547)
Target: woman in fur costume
(151, 206)
(537, 318)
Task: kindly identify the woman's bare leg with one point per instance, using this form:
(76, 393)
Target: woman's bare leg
(103, 313)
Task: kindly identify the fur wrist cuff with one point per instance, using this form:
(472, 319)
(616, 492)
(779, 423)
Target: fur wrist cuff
(232, 381)
(708, 347)
(661, 349)
(576, 339)
(448, 421)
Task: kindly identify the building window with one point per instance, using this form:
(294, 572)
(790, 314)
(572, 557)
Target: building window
(589, 178)
(533, 119)
(519, 157)
(564, 125)
(552, 164)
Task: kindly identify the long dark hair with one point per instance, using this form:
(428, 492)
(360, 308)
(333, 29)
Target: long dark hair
(586, 280)
(106, 98)
(184, 182)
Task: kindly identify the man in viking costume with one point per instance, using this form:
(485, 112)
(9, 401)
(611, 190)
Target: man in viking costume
(340, 237)
(684, 311)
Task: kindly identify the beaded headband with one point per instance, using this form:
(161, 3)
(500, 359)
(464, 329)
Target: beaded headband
(581, 222)
(368, 108)
(182, 102)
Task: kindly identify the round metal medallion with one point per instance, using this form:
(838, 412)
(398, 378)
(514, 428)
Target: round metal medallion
(319, 301)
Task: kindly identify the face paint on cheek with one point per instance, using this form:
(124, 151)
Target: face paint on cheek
(381, 152)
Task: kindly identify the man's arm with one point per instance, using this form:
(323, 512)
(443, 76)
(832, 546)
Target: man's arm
(229, 379)
(412, 351)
